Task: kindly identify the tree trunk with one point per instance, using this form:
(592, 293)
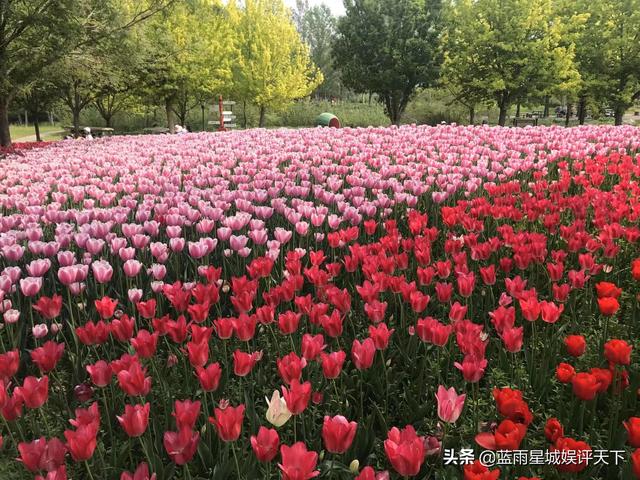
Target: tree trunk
(582, 109)
(26, 118)
(5, 135)
(76, 122)
(568, 115)
(545, 113)
(108, 120)
(472, 115)
(36, 125)
(518, 110)
(168, 103)
(244, 114)
(262, 115)
(619, 112)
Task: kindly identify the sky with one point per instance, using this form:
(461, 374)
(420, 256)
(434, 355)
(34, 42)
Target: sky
(336, 6)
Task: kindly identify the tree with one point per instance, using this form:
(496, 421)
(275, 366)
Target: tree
(608, 53)
(37, 33)
(389, 47)
(38, 97)
(317, 27)
(187, 51)
(506, 51)
(273, 67)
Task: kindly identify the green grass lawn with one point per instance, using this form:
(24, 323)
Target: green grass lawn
(19, 131)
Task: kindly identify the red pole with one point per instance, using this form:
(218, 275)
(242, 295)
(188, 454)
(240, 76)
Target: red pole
(221, 127)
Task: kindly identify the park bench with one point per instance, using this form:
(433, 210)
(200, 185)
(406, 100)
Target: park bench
(155, 130)
(95, 131)
(519, 122)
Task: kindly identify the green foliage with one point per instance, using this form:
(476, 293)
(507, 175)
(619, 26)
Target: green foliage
(350, 114)
(608, 52)
(273, 67)
(389, 47)
(317, 27)
(505, 51)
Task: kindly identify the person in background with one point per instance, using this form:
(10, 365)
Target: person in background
(86, 133)
(179, 130)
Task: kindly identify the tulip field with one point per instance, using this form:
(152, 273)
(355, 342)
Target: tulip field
(385, 303)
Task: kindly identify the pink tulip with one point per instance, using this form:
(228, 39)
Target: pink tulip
(30, 286)
(102, 271)
(450, 404)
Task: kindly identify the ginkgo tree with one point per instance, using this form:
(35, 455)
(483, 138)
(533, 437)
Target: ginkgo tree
(188, 49)
(273, 66)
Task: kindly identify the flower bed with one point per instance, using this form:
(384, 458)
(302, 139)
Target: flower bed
(369, 303)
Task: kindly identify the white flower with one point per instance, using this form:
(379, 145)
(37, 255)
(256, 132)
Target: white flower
(277, 412)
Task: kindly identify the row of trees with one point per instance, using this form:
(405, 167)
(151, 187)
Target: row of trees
(499, 52)
(124, 54)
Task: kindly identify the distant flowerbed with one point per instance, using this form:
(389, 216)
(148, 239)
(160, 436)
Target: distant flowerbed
(17, 147)
(356, 303)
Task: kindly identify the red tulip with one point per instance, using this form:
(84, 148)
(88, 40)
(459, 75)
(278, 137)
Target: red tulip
(9, 363)
(34, 391)
(93, 333)
(405, 450)
(122, 328)
(59, 473)
(513, 338)
(198, 353)
(632, 426)
(362, 354)
(135, 419)
(145, 343)
(288, 322)
(312, 346)
(297, 396)
(42, 454)
(290, 367)
(243, 362)
(49, 308)
(209, 377)
(575, 344)
(133, 380)
(635, 269)
(141, 473)
(550, 312)
(181, 446)
(332, 363)
(338, 433)
(472, 368)
(431, 330)
(618, 352)
(553, 430)
(507, 436)
(228, 422)
(608, 306)
(578, 448)
(477, 471)
(106, 307)
(147, 309)
(607, 289)
(565, 372)
(380, 335)
(297, 462)
(81, 442)
(265, 444)
(585, 386)
(46, 357)
(100, 373)
(332, 324)
(635, 456)
(186, 413)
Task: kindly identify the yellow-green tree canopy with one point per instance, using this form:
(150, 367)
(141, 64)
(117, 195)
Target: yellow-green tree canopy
(506, 51)
(273, 66)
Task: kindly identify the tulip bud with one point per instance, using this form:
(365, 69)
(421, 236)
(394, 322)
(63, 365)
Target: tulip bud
(83, 392)
(354, 466)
